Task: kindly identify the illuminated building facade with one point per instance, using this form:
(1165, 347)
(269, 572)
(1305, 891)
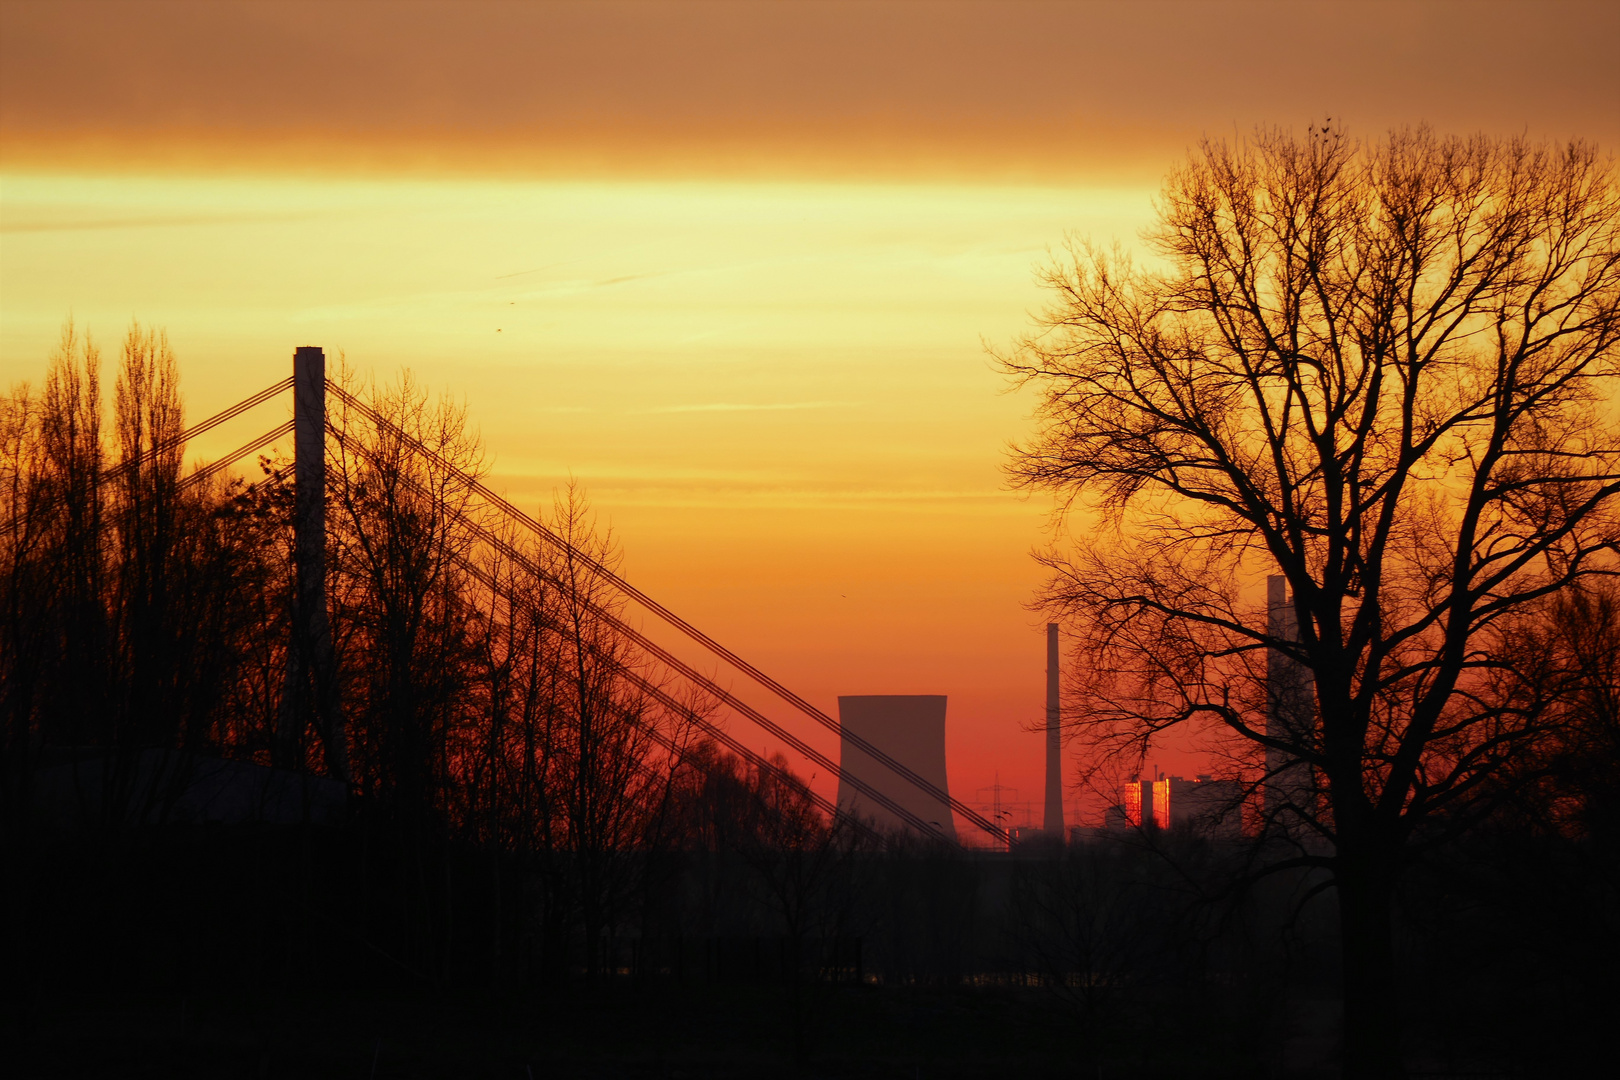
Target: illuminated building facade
(1212, 807)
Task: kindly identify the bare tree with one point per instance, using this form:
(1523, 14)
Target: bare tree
(502, 757)
(147, 422)
(131, 594)
(1568, 650)
(1588, 626)
(73, 498)
(27, 591)
(803, 862)
(613, 781)
(1387, 372)
(402, 532)
(401, 495)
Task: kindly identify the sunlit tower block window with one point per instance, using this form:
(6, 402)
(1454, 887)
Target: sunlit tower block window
(1212, 808)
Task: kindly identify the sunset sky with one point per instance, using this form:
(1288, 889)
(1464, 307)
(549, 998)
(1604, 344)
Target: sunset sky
(732, 266)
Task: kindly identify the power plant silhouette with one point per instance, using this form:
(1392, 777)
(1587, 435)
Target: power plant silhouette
(909, 728)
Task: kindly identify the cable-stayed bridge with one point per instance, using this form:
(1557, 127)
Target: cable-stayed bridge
(310, 426)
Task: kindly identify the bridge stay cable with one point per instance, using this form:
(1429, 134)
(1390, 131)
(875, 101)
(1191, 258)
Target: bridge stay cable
(693, 676)
(707, 684)
(680, 624)
(714, 731)
(200, 428)
(228, 413)
(240, 452)
(630, 591)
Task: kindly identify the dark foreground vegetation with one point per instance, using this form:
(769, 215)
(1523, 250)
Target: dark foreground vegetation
(258, 950)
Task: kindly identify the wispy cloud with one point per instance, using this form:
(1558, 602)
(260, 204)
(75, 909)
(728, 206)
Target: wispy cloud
(569, 286)
(995, 503)
(154, 221)
(728, 406)
(526, 273)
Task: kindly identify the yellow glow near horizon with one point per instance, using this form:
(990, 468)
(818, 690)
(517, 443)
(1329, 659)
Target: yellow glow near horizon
(776, 393)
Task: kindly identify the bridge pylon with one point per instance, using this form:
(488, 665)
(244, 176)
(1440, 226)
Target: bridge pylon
(309, 692)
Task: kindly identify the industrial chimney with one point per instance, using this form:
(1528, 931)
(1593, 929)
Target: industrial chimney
(1290, 714)
(1054, 737)
(910, 728)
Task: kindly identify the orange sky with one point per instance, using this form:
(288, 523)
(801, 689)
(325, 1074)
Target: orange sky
(732, 266)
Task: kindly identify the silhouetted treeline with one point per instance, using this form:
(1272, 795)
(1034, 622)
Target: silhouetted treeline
(491, 787)
(477, 697)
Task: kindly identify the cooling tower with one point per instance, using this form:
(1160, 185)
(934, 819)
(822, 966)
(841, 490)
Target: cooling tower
(910, 728)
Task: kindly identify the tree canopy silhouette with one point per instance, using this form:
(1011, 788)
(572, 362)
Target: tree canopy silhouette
(1387, 371)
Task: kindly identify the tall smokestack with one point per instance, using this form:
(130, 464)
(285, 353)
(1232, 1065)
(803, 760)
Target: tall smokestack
(1290, 715)
(1054, 737)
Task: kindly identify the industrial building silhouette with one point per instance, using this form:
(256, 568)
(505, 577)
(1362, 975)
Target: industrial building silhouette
(1204, 805)
(1288, 794)
(910, 728)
